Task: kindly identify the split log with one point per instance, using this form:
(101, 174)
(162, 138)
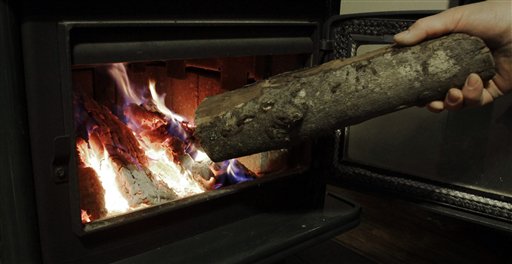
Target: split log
(129, 162)
(288, 108)
(92, 194)
(154, 129)
(152, 126)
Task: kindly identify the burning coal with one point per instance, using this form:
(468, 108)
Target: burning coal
(142, 156)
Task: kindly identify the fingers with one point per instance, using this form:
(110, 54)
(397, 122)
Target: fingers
(491, 26)
(418, 32)
(454, 99)
(430, 27)
(473, 91)
(490, 92)
(435, 106)
(472, 94)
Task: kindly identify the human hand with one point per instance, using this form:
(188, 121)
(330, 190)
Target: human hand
(489, 20)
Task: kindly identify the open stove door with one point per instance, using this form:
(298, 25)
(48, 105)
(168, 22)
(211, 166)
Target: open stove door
(456, 163)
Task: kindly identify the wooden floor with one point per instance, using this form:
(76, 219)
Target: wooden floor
(396, 231)
(329, 252)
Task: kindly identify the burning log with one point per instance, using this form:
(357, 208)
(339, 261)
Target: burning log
(146, 160)
(152, 126)
(91, 192)
(290, 107)
(115, 145)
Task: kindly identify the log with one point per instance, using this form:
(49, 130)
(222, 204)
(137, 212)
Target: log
(108, 133)
(288, 108)
(92, 194)
(153, 126)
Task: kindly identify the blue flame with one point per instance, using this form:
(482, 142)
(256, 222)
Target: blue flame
(176, 129)
(233, 173)
(227, 172)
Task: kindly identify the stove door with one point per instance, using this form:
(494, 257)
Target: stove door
(455, 162)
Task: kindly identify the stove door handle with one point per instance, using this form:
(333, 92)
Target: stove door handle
(61, 154)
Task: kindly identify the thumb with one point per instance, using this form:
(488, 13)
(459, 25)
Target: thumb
(407, 37)
(430, 27)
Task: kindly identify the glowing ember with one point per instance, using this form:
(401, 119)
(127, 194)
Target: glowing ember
(86, 218)
(200, 156)
(99, 161)
(179, 181)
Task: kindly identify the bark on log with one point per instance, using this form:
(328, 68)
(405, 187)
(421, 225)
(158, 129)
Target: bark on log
(290, 107)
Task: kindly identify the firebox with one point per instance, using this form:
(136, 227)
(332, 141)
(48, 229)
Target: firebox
(134, 132)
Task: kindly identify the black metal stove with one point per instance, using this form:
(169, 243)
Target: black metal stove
(47, 46)
(50, 45)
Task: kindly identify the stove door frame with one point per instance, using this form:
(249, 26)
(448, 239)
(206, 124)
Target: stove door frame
(48, 56)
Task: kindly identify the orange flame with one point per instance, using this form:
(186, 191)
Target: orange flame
(159, 101)
(165, 170)
(180, 181)
(164, 159)
(118, 71)
(97, 159)
(86, 218)
(159, 163)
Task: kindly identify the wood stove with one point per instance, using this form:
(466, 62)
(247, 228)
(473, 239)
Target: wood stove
(60, 52)
(82, 62)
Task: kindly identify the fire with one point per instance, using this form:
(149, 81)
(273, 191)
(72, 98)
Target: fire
(120, 76)
(146, 159)
(99, 161)
(86, 218)
(169, 172)
(159, 101)
(200, 156)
